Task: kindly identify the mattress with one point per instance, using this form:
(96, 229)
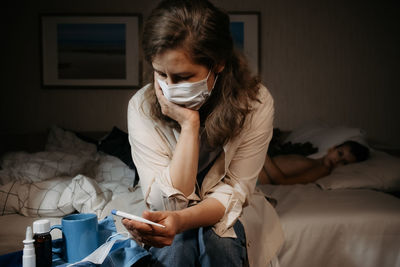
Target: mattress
(344, 227)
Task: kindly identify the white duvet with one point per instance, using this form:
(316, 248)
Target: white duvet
(70, 175)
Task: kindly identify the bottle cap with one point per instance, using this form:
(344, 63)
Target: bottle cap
(28, 236)
(41, 226)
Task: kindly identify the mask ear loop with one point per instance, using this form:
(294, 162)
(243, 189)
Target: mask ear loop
(101, 252)
(124, 234)
(212, 88)
(215, 81)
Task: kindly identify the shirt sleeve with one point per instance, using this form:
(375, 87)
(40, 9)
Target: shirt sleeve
(151, 153)
(248, 154)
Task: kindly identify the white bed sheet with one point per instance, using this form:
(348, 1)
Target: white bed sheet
(345, 228)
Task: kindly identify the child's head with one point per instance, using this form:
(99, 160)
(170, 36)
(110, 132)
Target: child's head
(359, 151)
(345, 153)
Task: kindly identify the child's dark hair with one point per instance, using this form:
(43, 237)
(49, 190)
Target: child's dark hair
(359, 151)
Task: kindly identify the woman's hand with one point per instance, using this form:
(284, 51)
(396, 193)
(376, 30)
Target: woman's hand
(184, 116)
(154, 235)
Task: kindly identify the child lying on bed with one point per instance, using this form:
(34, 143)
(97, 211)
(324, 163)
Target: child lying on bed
(297, 169)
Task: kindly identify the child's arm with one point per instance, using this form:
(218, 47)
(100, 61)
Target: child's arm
(293, 170)
(273, 172)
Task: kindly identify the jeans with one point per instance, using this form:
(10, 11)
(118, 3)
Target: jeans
(202, 247)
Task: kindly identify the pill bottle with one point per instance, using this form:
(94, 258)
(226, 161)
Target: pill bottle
(42, 237)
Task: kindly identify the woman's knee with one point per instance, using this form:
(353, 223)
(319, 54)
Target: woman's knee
(222, 251)
(182, 252)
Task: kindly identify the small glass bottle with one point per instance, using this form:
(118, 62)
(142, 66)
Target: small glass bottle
(42, 237)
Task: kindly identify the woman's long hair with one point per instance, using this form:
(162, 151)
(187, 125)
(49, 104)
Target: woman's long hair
(203, 31)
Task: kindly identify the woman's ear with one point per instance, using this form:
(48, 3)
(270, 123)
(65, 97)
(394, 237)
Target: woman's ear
(219, 68)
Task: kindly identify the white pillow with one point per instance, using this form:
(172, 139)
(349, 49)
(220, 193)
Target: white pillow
(65, 141)
(112, 169)
(324, 137)
(306, 132)
(380, 172)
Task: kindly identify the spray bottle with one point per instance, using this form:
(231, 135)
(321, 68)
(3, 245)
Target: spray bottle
(28, 256)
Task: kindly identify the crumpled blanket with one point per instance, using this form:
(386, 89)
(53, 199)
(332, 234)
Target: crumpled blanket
(70, 175)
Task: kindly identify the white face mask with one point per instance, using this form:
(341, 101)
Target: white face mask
(190, 95)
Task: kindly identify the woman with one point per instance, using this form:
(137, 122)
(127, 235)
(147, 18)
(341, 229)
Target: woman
(297, 169)
(199, 135)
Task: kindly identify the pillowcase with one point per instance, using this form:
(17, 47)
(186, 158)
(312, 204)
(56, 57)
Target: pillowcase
(66, 141)
(380, 172)
(324, 137)
(111, 169)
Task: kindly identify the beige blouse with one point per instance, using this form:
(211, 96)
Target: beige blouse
(231, 179)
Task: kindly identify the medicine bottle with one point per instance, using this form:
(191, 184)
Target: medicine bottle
(42, 237)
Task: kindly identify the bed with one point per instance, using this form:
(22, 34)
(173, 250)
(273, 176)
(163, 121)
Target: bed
(333, 228)
(349, 218)
(71, 174)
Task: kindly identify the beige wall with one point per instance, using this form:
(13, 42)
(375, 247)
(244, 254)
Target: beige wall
(332, 60)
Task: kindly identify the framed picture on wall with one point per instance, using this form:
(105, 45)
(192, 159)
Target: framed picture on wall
(90, 51)
(245, 30)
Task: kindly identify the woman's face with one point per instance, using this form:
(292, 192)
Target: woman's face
(175, 66)
(337, 156)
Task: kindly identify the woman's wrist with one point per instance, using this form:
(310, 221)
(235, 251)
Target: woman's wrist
(206, 213)
(190, 125)
(179, 219)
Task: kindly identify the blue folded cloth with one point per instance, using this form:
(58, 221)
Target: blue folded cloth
(124, 253)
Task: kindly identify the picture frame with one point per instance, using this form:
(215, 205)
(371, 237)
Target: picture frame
(245, 30)
(90, 51)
